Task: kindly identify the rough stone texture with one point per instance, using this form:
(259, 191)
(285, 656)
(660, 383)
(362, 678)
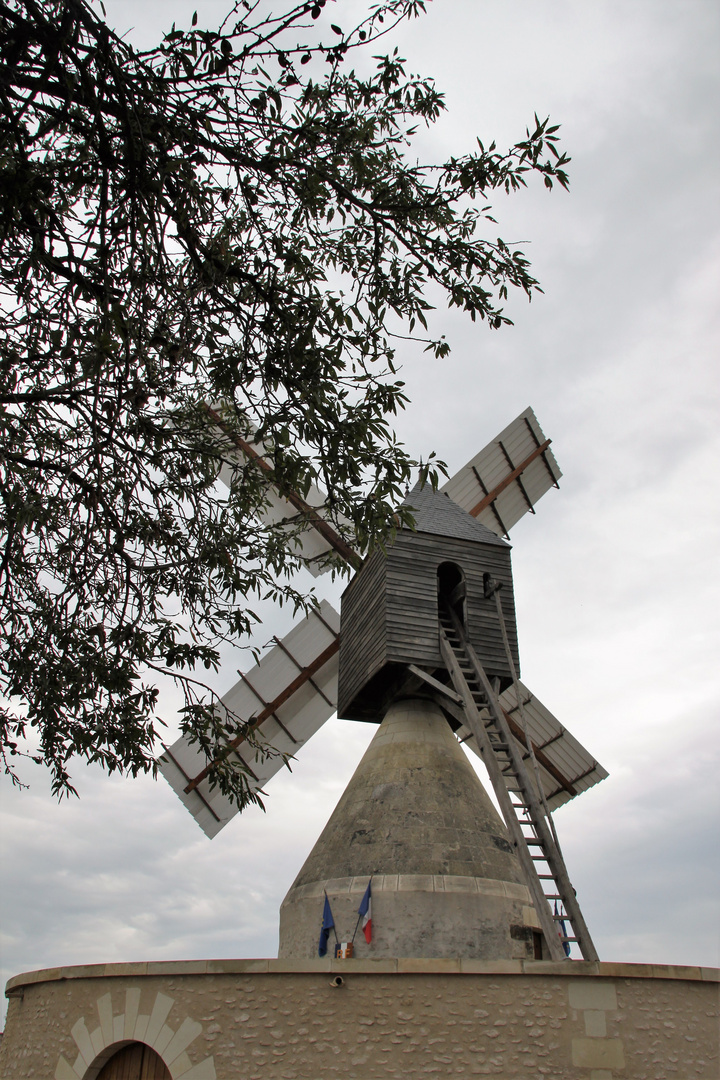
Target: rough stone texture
(415, 817)
(284, 1020)
(415, 916)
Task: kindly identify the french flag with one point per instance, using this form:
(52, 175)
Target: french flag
(365, 912)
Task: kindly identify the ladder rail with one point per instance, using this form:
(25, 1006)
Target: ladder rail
(551, 853)
(523, 718)
(503, 796)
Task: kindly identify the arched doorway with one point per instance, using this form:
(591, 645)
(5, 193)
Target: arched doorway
(451, 588)
(135, 1062)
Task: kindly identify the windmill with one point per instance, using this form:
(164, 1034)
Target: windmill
(431, 617)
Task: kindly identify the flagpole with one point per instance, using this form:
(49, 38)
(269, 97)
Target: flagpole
(352, 940)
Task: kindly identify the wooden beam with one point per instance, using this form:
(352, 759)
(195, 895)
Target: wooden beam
(492, 495)
(305, 675)
(436, 685)
(310, 514)
(546, 463)
(543, 759)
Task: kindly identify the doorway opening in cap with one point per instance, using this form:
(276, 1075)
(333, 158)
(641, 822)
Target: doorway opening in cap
(452, 590)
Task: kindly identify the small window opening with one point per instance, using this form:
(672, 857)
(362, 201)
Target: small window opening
(451, 589)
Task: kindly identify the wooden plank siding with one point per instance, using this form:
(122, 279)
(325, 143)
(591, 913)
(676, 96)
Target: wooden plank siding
(362, 635)
(389, 615)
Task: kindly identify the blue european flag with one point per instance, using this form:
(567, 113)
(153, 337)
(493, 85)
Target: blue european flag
(328, 924)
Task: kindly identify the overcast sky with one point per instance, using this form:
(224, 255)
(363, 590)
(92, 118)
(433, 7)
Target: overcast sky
(616, 577)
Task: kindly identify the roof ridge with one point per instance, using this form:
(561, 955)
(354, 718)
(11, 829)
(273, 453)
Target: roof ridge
(435, 512)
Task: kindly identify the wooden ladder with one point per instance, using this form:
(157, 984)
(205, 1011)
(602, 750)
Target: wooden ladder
(530, 830)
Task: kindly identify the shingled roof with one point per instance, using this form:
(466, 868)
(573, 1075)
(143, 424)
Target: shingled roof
(436, 513)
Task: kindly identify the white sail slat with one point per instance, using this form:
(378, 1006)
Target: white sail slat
(515, 447)
(305, 540)
(570, 763)
(294, 687)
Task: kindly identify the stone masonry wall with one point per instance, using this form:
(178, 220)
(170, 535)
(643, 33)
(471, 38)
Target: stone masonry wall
(285, 1020)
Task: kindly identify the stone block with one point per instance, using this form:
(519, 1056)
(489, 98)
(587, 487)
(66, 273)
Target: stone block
(491, 967)
(181, 1065)
(238, 967)
(179, 1042)
(591, 994)
(141, 1027)
(105, 1015)
(416, 883)
(598, 1053)
(96, 1038)
(674, 971)
(434, 966)
(530, 917)
(364, 967)
(64, 1071)
(595, 1023)
(177, 967)
(160, 1011)
(204, 1071)
(287, 964)
(138, 968)
(118, 1028)
(132, 1008)
(163, 1039)
(81, 1035)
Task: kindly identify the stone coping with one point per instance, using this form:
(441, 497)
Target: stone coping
(407, 966)
(393, 883)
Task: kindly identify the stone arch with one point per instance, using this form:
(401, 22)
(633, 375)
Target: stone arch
(132, 1061)
(117, 1030)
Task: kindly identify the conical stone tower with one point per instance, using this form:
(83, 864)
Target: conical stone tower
(415, 818)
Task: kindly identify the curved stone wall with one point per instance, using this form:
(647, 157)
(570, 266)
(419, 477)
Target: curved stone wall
(415, 915)
(366, 1020)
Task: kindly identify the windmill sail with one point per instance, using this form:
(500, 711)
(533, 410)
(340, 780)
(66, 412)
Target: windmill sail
(566, 768)
(292, 691)
(505, 480)
(290, 694)
(310, 535)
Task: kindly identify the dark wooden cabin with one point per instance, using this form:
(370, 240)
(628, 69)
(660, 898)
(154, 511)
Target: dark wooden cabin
(389, 612)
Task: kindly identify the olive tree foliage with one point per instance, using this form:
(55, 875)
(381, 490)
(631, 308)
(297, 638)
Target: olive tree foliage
(231, 218)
